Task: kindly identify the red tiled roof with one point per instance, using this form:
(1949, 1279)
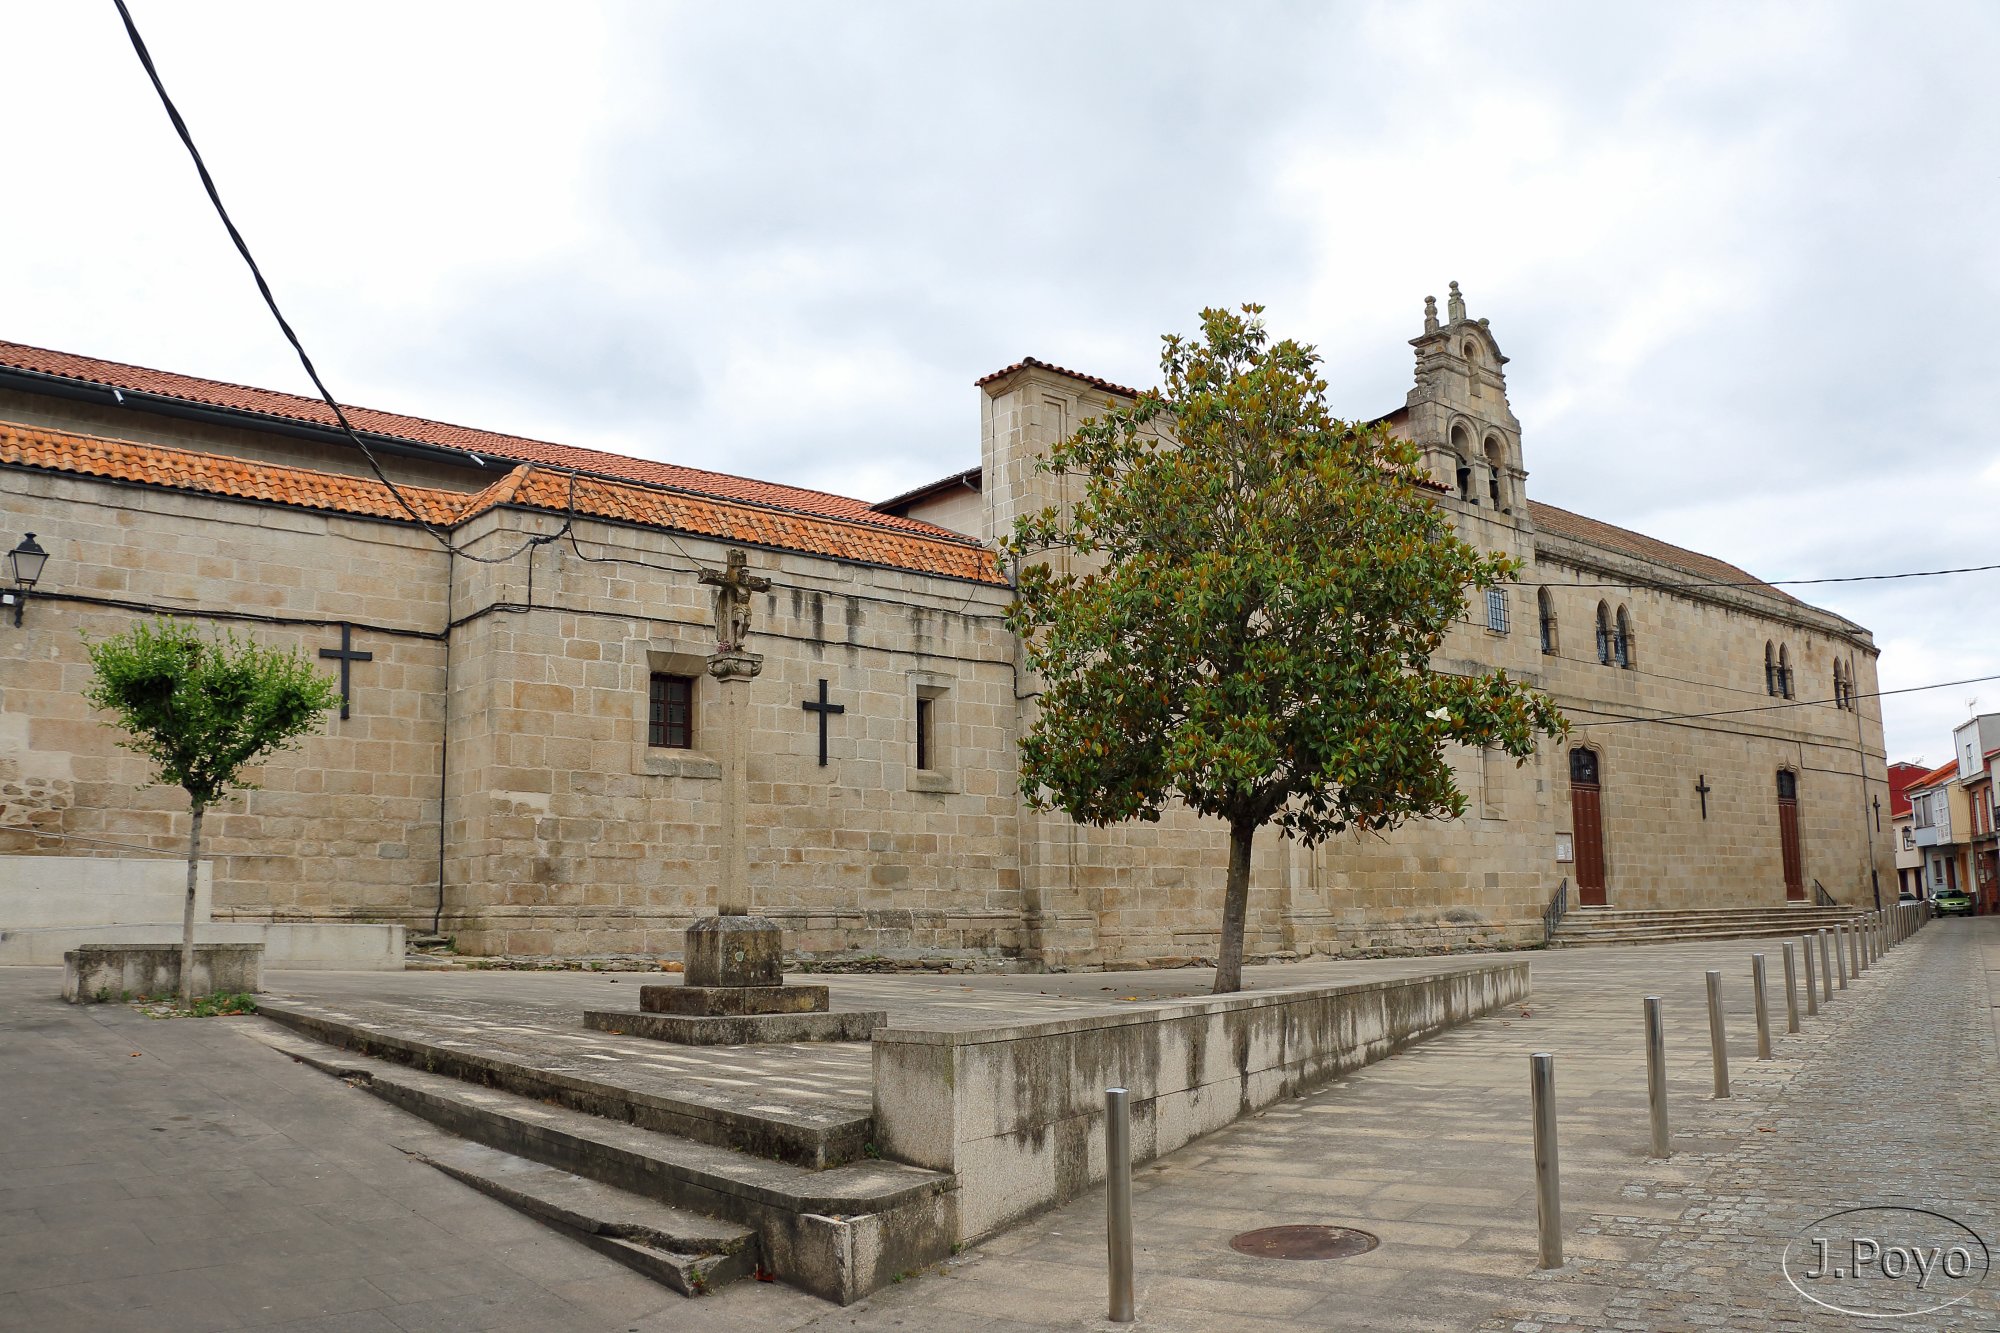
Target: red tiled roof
(1942, 773)
(217, 474)
(418, 430)
(1576, 527)
(973, 476)
(1027, 361)
(526, 486)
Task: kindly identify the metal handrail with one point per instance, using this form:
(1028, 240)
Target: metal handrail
(1821, 898)
(1558, 905)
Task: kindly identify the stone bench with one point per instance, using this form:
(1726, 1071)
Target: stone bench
(94, 972)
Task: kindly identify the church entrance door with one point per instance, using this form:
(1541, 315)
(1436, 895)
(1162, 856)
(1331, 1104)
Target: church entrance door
(1586, 811)
(1788, 835)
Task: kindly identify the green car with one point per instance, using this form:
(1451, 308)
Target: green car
(1951, 902)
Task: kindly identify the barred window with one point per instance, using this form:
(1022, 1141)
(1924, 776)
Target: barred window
(1496, 610)
(670, 712)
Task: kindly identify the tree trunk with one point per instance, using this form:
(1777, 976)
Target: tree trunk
(187, 912)
(1235, 907)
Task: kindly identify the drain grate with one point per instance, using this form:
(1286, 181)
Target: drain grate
(1305, 1242)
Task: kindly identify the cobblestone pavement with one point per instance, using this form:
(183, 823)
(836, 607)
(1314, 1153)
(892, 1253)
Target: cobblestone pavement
(1896, 1103)
(202, 1183)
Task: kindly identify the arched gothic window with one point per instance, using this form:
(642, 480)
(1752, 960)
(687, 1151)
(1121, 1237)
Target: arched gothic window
(1785, 670)
(1770, 669)
(1839, 683)
(1546, 605)
(1496, 467)
(1623, 646)
(1604, 634)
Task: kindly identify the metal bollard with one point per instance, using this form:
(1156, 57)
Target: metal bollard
(1763, 1014)
(1118, 1199)
(1791, 988)
(1840, 952)
(1548, 1180)
(1717, 1038)
(1857, 953)
(1812, 979)
(1656, 1077)
(1826, 966)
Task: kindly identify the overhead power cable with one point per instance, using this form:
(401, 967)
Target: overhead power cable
(271, 301)
(1619, 719)
(1790, 583)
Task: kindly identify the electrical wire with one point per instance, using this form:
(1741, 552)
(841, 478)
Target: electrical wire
(1790, 583)
(1623, 719)
(271, 302)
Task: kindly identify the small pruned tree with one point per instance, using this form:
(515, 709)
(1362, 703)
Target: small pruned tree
(202, 710)
(1247, 620)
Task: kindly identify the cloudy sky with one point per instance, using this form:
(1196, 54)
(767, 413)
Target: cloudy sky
(1740, 256)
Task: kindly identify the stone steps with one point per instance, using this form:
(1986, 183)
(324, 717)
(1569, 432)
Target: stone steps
(838, 1233)
(817, 1140)
(1594, 925)
(690, 1253)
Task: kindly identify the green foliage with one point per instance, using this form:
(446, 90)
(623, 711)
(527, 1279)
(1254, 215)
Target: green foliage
(215, 1006)
(1239, 611)
(203, 709)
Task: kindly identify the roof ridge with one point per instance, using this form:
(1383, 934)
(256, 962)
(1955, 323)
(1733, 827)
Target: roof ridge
(176, 468)
(256, 401)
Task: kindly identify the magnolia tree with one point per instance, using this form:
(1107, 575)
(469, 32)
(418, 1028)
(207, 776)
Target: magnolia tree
(203, 710)
(1248, 623)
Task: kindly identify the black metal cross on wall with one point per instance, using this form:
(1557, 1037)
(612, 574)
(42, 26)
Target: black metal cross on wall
(347, 656)
(1701, 785)
(825, 710)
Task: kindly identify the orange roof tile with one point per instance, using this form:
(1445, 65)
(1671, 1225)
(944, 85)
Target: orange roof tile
(525, 487)
(1028, 361)
(1942, 773)
(217, 474)
(513, 448)
(1576, 527)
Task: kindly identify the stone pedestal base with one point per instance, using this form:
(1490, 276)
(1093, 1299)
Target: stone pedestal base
(735, 952)
(715, 1001)
(735, 995)
(739, 1029)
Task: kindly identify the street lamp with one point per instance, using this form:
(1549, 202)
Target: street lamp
(27, 559)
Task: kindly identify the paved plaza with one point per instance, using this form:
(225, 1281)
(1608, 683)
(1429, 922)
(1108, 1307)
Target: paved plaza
(181, 1175)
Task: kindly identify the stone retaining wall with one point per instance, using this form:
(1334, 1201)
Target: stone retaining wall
(1016, 1113)
(113, 971)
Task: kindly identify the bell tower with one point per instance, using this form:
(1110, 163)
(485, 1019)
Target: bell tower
(1458, 413)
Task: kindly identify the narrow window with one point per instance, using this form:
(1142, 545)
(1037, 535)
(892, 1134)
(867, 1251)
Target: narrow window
(1604, 634)
(925, 746)
(1770, 669)
(1547, 606)
(1788, 785)
(670, 712)
(1624, 644)
(1496, 610)
(1785, 670)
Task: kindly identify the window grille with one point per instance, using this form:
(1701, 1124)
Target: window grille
(1496, 610)
(670, 712)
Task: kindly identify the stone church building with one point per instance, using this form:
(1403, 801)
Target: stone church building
(526, 758)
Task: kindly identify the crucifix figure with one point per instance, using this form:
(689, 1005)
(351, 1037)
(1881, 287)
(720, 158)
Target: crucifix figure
(346, 655)
(1877, 800)
(734, 587)
(1701, 785)
(824, 709)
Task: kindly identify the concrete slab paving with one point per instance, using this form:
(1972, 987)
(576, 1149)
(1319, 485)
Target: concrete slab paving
(170, 1175)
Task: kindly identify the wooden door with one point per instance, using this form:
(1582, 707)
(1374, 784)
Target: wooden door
(1788, 835)
(1586, 811)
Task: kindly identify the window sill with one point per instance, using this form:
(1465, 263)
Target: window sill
(924, 779)
(669, 763)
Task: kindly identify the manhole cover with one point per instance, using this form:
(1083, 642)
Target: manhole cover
(1305, 1242)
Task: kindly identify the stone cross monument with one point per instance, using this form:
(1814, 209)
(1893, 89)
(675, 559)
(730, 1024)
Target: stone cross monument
(734, 989)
